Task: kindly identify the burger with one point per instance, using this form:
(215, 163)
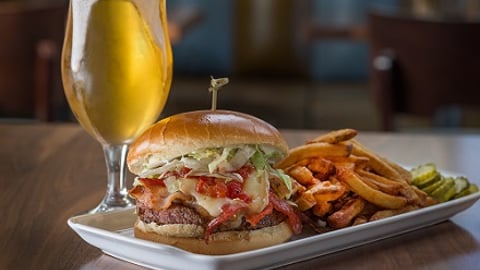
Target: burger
(205, 183)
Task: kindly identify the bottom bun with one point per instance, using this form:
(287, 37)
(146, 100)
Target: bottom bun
(219, 243)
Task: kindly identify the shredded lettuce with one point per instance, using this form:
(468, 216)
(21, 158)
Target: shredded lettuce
(170, 166)
(272, 153)
(208, 153)
(231, 159)
(213, 166)
(259, 161)
(240, 157)
(286, 180)
(224, 162)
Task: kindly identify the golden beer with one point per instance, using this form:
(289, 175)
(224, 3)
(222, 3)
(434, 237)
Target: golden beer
(116, 66)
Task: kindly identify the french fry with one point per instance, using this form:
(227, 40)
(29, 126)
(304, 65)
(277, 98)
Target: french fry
(314, 150)
(320, 194)
(374, 185)
(425, 200)
(391, 187)
(335, 136)
(386, 185)
(322, 168)
(344, 217)
(345, 166)
(344, 183)
(404, 173)
(303, 162)
(376, 162)
(305, 201)
(391, 212)
(303, 175)
(411, 196)
(360, 220)
(368, 193)
(327, 191)
(322, 208)
(359, 162)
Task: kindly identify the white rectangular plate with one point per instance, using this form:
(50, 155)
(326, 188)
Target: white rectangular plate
(112, 232)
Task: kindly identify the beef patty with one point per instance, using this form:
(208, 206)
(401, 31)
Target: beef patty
(181, 214)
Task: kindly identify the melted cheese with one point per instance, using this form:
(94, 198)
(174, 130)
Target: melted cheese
(212, 205)
(255, 188)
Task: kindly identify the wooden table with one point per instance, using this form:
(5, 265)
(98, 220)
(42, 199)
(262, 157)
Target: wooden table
(51, 172)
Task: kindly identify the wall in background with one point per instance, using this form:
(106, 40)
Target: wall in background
(208, 48)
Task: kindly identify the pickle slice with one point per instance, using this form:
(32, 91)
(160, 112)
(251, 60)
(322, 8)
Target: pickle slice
(423, 174)
(442, 188)
(440, 192)
(472, 188)
(428, 182)
(430, 188)
(461, 183)
(449, 194)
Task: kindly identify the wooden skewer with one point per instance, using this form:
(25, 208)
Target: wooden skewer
(215, 85)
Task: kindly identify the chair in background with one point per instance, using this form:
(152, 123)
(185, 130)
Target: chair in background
(420, 67)
(30, 83)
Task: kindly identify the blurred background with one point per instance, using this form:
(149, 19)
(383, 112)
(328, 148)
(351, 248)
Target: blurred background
(393, 65)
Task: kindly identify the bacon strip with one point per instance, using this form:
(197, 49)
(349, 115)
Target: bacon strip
(253, 220)
(153, 194)
(283, 207)
(228, 211)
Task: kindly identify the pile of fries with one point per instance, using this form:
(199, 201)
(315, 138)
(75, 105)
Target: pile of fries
(339, 182)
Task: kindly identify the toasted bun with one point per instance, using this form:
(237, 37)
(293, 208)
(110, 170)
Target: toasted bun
(186, 132)
(219, 243)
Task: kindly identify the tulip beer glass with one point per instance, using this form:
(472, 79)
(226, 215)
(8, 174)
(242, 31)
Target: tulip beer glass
(116, 72)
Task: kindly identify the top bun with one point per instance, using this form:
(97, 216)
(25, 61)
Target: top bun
(184, 133)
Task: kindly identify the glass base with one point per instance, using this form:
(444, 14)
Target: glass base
(109, 204)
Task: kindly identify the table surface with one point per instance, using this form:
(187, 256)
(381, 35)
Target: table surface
(52, 172)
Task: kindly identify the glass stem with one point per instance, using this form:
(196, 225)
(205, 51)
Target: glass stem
(117, 193)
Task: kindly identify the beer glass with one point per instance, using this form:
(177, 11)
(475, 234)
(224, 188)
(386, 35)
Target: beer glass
(116, 73)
